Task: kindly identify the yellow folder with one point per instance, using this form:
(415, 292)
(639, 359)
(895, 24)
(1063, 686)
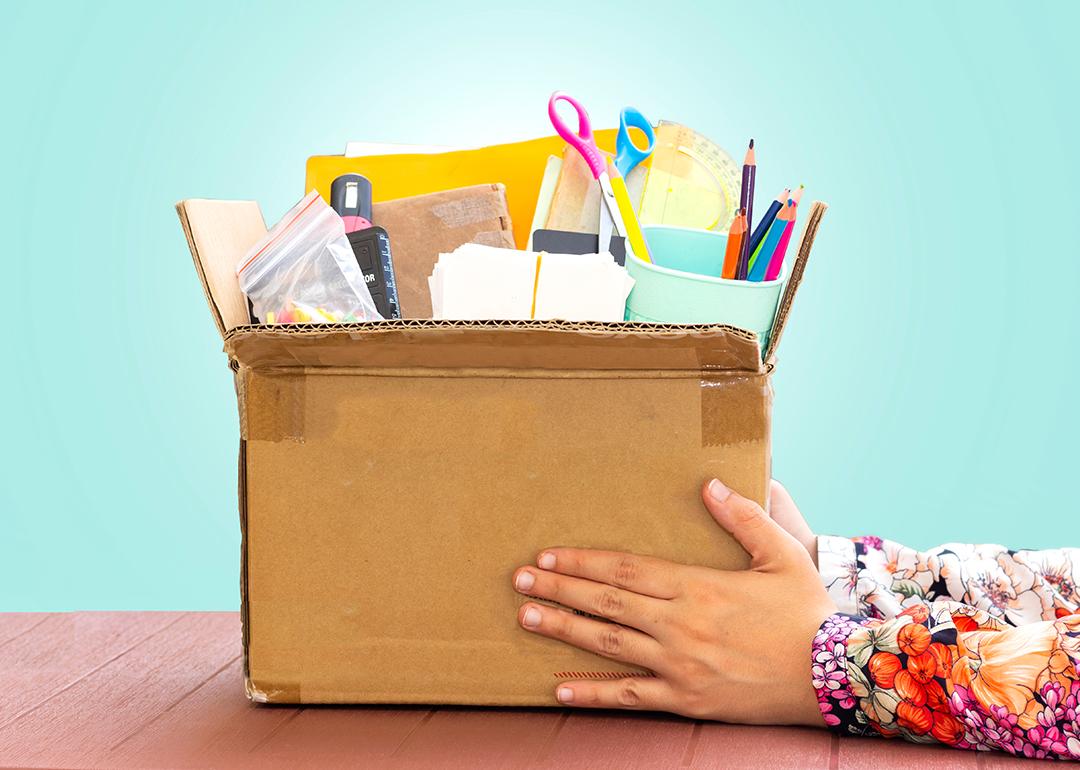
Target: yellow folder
(519, 165)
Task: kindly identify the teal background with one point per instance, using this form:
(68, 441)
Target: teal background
(926, 387)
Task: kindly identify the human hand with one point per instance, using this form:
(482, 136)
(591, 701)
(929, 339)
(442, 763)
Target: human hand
(726, 645)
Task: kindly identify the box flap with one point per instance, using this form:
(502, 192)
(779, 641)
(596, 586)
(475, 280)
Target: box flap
(219, 233)
(802, 254)
(517, 345)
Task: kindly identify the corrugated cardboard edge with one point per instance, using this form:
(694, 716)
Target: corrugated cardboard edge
(245, 619)
(806, 242)
(592, 328)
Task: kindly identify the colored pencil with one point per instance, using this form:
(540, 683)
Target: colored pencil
(746, 201)
(771, 242)
(735, 238)
(763, 225)
(777, 261)
(797, 195)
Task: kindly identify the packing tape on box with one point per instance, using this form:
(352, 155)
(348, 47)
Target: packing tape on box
(734, 409)
(468, 211)
(272, 406)
(496, 238)
(281, 693)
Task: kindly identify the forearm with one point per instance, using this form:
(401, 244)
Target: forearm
(952, 674)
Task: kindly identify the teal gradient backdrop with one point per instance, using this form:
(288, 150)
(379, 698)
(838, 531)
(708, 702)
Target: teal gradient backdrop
(926, 388)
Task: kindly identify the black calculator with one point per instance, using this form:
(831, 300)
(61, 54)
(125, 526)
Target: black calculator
(371, 247)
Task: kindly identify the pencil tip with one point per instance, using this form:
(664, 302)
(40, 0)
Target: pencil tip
(751, 144)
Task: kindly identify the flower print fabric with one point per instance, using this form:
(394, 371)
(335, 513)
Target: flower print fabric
(974, 646)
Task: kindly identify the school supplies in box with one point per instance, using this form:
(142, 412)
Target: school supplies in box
(616, 215)
(763, 224)
(692, 182)
(304, 271)
(733, 250)
(627, 154)
(371, 247)
(423, 226)
(746, 203)
(683, 284)
(482, 283)
(774, 245)
(776, 259)
(350, 196)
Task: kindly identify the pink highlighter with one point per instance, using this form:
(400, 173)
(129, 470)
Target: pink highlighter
(350, 197)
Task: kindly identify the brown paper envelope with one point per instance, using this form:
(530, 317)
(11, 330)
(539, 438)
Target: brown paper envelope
(425, 226)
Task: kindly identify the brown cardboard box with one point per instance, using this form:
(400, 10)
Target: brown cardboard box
(393, 475)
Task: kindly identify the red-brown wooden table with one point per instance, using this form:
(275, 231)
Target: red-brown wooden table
(164, 689)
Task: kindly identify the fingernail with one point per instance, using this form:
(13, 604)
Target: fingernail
(546, 561)
(531, 618)
(564, 695)
(718, 491)
(525, 581)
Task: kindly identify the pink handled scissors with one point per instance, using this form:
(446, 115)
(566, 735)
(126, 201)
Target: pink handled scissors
(582, 140)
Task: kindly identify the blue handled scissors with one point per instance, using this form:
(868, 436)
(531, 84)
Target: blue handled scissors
(627, 154)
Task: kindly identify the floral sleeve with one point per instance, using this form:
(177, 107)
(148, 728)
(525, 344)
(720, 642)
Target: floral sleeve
(977, 647)
(878, 578)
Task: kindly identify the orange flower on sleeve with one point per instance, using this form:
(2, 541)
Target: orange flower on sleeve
(1004, 669)
(917, 612)
(922, 667)
(947, 728)
(936, 699)
(943, 655)
(883, 668)
(909, 688)
(918, 719)
(913, 639)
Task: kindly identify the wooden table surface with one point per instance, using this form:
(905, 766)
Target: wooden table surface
(164, 689)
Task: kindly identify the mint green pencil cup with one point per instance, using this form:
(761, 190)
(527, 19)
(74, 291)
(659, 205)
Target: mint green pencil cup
(682, 284)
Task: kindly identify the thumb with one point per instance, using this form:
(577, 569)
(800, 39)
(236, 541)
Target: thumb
(762, 537)
(785, 513)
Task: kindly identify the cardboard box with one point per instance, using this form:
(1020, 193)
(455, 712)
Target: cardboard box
(393, 475)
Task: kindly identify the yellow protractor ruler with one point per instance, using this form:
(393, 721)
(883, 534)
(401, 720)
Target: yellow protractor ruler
(692, 182)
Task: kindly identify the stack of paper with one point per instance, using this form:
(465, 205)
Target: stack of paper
(477, 282)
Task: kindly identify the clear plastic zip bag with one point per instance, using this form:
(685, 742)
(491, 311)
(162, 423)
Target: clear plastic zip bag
(304, 270)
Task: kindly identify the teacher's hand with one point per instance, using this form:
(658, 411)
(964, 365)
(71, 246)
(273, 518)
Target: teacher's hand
(732, 646)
